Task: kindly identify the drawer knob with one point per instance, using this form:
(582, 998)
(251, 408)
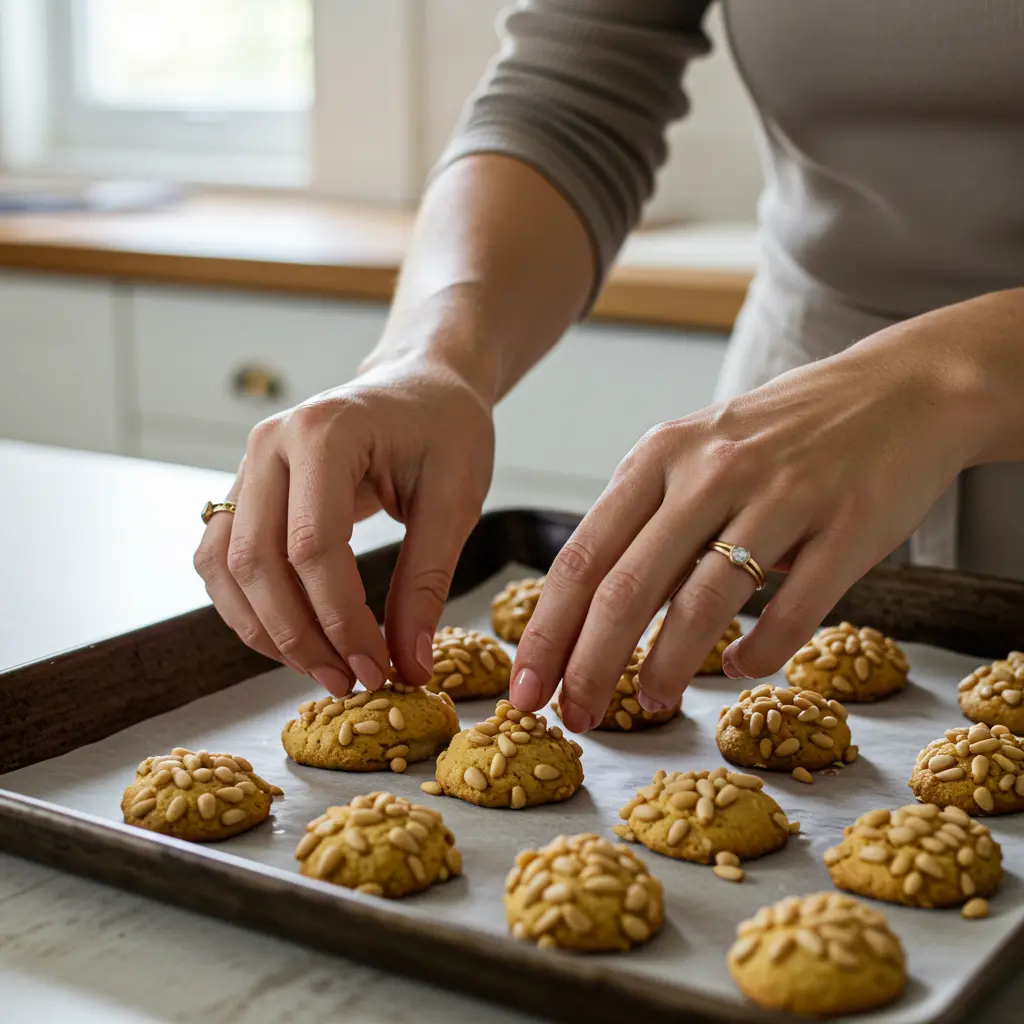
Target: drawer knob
(257, 382)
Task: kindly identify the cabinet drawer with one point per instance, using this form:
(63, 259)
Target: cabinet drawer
(58, 380)
(584, 406)
(231, 360)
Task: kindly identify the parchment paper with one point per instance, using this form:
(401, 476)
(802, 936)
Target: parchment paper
(702, 912)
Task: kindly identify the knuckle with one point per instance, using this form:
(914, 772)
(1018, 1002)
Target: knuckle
(243, 560)
(290, 642)
(582, 686)
(251, 633)
(620, 590)
(661, 440)
(432, 585)
(306, 546)
(704, 606)
(264, 434)
(206, 561)
(574, 563)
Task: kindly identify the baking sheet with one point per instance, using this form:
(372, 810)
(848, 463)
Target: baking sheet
(701, 911)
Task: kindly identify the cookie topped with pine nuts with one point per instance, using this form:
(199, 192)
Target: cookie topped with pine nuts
(511, 760)
(371, 732)
(468, 664)
(922, 855)
(993, 694)
(698, 815)
(980, 770)
(781, 729)
(512, 608)
(197, 796)
(583, 893)
(849, 664)
(380, 845)
(712, 665)
(821, 955)
(624, 713)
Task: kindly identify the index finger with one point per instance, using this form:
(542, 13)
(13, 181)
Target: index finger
(321, 514)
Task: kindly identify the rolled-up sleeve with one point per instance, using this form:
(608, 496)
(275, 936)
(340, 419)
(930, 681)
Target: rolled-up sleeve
(583, 91)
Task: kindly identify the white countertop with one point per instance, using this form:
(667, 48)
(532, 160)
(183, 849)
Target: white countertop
(76, 952)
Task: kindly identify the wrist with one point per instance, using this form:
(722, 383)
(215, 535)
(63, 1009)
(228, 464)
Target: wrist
(446, 332)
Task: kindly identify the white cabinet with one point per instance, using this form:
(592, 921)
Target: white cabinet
(210, 365)
(58, 365)
(583, 407)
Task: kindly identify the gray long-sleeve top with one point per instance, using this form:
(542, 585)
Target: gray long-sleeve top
(893, 140)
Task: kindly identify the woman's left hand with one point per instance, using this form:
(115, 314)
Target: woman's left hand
(822, 473)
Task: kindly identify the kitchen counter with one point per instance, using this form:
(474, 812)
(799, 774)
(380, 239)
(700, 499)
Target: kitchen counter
(688, 277)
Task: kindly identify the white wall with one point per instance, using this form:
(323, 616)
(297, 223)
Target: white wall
(714, 172)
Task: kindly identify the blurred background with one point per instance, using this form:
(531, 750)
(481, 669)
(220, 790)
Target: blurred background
(203, 204)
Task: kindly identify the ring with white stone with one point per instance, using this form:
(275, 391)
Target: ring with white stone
(742, 558)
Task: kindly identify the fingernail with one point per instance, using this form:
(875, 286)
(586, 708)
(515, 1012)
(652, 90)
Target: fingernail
(333, 680)
(525, 690)
(575, 718)
(366, 671)
(425, 653)
(648, 703)
(729, 666)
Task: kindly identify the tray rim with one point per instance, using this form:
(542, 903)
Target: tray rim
(600, 992)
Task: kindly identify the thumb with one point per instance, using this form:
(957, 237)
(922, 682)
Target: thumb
(440, 521)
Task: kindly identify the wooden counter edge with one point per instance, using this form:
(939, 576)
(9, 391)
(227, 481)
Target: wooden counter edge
(645, 295)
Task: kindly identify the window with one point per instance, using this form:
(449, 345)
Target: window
(227, 81)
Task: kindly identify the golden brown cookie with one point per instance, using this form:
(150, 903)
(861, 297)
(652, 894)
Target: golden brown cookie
(584, 893)
(821, 955)
(980, 770)
(381, 845)
(993, 693)
(779, 729)
(468, 664)
(921, 855)
(197, 796)
(624, 713)
(512, 608)
(713, 662)
(511, 760)
(849, 664)
(697, 815)
(371, 732)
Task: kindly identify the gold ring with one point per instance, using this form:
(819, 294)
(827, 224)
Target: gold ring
(741, 557)
(210, 509)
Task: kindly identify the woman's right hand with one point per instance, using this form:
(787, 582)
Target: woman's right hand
(410, 436)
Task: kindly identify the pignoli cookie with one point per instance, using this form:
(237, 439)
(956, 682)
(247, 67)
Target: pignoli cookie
(468, 664)
(713, 662)
(699, 816)
(980, 770)
(511, 760)
(783, 730)
(583, 893)
(624, 713)
(849, 664)
(921, 855)
(197, 796)
(822, 955)
(993, 693)
(371, 732)
(512, 608)
(381, 845)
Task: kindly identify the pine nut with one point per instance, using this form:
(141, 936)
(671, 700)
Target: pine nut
(727, 795)
(365, 816)
(518, 798)
(743, 949)
(475, 778)
(808, 715)
(983, 798)
(940, 762)
(230, 795)
(635, 928)
(822, 740)
(207, 806)
(576, 919)
(519, 737)
(841, 684)
(432, 788)
(345, 734)
(974, 909)
(546, 772)
(646, 812)
(756, 724)
(182, 779)
(901, 863)
(729, 873)
(142, 807)
(705, 810)
(801, 774)
(787, 747)
(367, 728)
(506, 746)
(728, 858)
(233, 816)
(951, 774)
(984, 848)
(850, 754)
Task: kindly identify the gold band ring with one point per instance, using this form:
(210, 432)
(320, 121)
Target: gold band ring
(742, 558)
(210, 509)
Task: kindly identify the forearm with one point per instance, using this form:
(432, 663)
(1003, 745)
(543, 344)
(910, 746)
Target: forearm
(499, 266)
(969, 357)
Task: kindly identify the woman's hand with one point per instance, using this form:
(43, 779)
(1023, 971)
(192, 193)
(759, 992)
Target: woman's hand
(822, 472)
(410, 437)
